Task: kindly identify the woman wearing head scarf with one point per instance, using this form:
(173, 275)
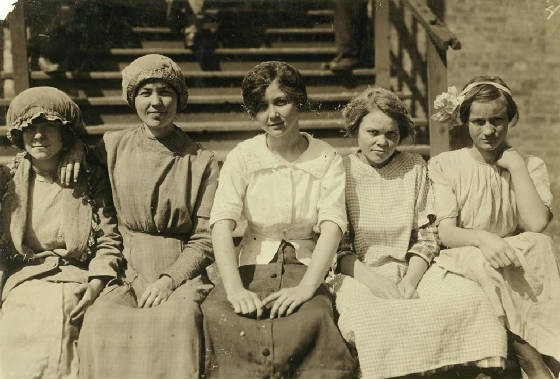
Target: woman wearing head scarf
(59, 245)
(163, 187)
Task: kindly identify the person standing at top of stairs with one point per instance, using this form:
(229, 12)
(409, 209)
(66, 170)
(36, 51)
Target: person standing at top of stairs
(350, 29)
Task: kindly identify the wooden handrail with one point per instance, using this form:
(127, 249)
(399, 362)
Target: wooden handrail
(438, 39)
(436, 29)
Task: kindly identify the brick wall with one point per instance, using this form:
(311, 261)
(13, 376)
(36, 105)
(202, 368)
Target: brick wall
(518, 40)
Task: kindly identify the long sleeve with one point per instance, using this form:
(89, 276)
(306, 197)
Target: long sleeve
(108, 247)
(197, 252)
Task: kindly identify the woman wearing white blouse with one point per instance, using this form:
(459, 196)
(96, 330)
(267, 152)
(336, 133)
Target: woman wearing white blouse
(290, 188)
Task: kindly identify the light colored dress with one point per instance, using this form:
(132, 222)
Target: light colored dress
(481, 197)
(79, 240)
(163, 191)
(451, 322)
(284, 204)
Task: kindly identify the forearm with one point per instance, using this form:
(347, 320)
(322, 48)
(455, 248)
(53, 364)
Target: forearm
(195, 257)
(323, 254)
(108, 257)
(534, 215)
(454, 236)
(417, 266)
(225, 254)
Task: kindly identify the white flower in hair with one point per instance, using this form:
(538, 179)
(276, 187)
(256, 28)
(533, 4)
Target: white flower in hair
(446, 104)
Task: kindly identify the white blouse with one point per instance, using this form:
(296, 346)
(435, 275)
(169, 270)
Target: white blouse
(280, 200)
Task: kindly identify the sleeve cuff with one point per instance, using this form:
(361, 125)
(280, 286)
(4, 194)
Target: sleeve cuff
(103, 267)
(215, 217)
(425, 257)
(179, 274)
(340, 221)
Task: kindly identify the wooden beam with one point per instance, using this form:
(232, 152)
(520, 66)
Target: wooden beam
(382, 41)
(437, 83)
(442, 36)
(18, 37)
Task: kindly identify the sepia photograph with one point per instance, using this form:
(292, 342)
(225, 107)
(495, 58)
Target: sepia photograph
(298, 189)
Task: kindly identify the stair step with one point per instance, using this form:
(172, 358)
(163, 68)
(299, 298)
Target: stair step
(321, 12)
(221, 148)
(213, 99)
(335, 124)
(224, 51)
(205, 99)
(271, 31)
(116, 75)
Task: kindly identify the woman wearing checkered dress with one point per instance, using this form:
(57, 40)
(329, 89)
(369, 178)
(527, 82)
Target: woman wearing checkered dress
(402, 316)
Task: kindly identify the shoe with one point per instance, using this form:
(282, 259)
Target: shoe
(190, 34)
(343, 63)
(48, 66)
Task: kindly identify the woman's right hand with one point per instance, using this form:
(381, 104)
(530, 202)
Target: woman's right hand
(245, 302)
(71, 163)
(497, 251)
(156, 293)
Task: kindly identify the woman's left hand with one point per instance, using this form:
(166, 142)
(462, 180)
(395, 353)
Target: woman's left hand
(71, 163)
(287, 300)
(510, 159)
(88, 292)
(156, 293)
(407, 289)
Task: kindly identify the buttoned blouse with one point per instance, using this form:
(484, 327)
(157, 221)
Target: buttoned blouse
(280, 200)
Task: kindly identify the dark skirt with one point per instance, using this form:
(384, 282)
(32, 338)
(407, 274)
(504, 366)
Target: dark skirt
(305, 344)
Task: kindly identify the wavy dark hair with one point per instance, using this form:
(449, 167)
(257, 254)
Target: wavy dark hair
(259, 78)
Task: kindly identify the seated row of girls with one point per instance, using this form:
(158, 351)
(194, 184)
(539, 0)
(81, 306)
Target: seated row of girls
(483, 196)
(61, 248)
(283, 256)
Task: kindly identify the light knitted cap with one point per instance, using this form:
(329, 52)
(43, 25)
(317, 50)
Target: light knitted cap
(48, 103)
(153, 67)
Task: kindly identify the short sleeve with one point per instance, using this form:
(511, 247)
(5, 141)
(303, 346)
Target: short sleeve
(232, 185)
(445, 199)
(539, 176)
(331, 205)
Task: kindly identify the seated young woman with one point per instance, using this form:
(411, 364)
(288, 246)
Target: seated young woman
(163, 186)
(402, 315)
(271, 315)
(492, 205)
(59, 245)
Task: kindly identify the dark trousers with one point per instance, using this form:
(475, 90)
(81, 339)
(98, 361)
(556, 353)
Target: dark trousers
(350, 27)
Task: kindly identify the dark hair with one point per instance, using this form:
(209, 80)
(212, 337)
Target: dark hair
(67, 134)
(259, 78)
(376, 98)
(486, 92)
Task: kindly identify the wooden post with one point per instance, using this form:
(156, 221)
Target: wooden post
(382, 41)
(437, 83)
(18, 37)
